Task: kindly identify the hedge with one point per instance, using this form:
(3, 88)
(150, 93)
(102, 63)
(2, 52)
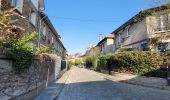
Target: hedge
(137, 62)
(145, 63)
(103, 62)
(91, 62)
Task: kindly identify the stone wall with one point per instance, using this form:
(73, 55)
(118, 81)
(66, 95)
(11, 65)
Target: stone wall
(26, 85)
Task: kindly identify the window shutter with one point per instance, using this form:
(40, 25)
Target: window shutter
(33, 18)
(19, 5)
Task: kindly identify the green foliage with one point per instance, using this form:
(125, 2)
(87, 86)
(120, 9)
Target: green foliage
(103, 62)
(93, 52)
(92, 57)
(137, 62)
(145, 63)
(42, 49)
(21, 50)
(91, 62)
(78, 62)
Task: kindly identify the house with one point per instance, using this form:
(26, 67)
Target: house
(106, 44)
(36, 21)
(143, 29)
(71, 58)
(50, 38)
(29, 9)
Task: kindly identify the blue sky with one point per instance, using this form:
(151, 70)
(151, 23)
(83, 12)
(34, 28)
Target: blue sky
(79, 22)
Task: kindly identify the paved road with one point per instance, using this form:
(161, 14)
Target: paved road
(83, 84)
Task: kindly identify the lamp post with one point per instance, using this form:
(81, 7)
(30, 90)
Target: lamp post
(39, 31)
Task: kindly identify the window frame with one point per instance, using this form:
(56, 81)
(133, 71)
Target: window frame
(33, 18)
(18, 4)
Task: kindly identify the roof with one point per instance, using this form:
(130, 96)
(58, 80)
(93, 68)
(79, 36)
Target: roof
(48, 22)
(110, 36)
(142, 14)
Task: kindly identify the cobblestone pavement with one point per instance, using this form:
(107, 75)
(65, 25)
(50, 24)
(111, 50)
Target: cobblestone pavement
(84, 84)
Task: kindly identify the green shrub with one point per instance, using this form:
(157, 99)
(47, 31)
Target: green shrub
(137, 62)
(42, 49)
(77, 62)
(21, 50)
(91, 62)
(103, 62)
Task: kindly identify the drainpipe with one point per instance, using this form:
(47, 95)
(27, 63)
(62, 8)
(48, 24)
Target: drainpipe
(39, 30)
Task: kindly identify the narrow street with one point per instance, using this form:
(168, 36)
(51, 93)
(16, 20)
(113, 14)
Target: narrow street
(83, 84)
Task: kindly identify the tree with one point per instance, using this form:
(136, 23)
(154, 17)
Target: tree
(78, 62)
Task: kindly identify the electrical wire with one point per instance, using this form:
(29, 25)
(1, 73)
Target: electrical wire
(86, 20)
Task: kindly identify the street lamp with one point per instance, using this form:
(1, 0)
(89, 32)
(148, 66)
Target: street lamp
(39, 31)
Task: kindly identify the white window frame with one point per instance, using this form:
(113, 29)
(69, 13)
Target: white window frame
(119, 38)
(14, 3)
(127, 31)
(52, 40)
(35, 3)
(161, 22)
(44, 29)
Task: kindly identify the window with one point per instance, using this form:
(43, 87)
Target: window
(44, 29)
(52, 40)
(127, 32)
(161, 22)
(33, 17)
(35, 3)
(119, 38)
(14, 3)
(48, 41)
(18, 4)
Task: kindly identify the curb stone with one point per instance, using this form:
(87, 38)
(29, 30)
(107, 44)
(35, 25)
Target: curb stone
(133, 82)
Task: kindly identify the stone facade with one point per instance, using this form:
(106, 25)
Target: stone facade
(28, 84)
(50, 38)
(31, 23)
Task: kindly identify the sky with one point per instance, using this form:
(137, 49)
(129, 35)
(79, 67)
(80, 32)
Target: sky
(79, 22)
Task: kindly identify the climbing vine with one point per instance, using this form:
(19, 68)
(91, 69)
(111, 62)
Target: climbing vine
(21, 50)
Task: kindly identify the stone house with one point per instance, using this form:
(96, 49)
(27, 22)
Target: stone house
(141, 30)
(35, 21)
(29, 9)
(106, 44)
(50, 38)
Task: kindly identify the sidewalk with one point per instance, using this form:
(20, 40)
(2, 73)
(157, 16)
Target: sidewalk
(54, 89)
(151, 82)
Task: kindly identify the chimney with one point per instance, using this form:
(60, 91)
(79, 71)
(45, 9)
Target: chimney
(100, 37)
